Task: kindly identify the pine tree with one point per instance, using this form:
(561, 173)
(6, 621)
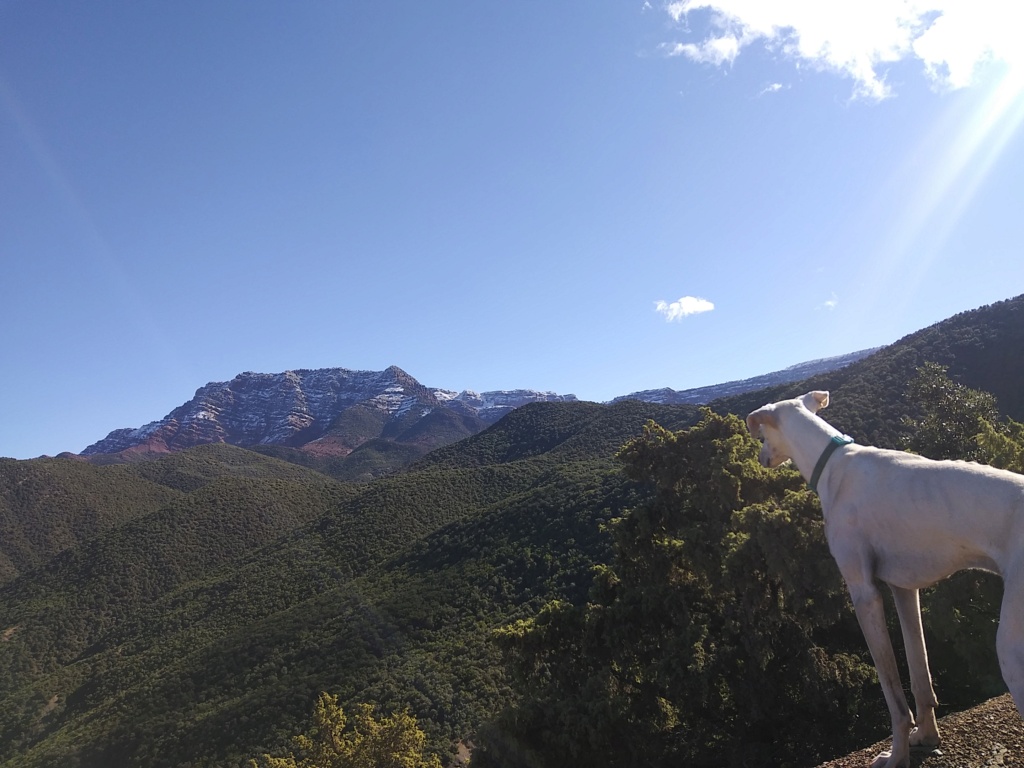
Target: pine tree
(367, 742)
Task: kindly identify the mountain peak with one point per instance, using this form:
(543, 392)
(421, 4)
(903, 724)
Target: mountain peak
(298, 408)
(398, 373)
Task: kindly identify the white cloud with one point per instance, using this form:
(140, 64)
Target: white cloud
(688, 305)
(859, 38)
(830, 304)
(771, 88)
(717, 51)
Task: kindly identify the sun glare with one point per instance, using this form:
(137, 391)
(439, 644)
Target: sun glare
(945, 175)
(984, 137)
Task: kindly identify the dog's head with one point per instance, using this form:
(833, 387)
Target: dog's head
(764, 425)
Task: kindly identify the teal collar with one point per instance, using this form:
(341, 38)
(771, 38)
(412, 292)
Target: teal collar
(836, 442)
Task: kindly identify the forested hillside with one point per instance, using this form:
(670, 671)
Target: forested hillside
(208, 626)
(188, 610)
(50, 505)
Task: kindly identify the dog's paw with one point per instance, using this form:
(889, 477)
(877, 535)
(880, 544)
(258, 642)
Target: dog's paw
(888, 760)
(924, 739)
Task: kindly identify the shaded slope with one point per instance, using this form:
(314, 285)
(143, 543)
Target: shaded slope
(377, 449)
(50, 505)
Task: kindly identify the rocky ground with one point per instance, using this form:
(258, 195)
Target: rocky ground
(990, 735)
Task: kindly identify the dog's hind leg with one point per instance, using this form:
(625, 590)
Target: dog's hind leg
(1010, 638)
(908, 606)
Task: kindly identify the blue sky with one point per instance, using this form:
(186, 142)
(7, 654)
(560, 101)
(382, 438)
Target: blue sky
(590, 198)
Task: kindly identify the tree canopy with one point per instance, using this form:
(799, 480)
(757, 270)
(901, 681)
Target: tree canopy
(720, 634)
(333, 741)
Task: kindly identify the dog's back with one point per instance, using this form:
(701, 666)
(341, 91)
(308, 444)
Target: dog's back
(918, 515)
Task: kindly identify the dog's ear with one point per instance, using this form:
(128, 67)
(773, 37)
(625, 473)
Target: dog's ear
(761, 416)
(815, 401)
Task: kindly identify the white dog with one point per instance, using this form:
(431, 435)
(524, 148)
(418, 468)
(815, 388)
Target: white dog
(907, 521)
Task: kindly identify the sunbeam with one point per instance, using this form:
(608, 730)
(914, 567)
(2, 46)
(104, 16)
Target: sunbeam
(944, 177)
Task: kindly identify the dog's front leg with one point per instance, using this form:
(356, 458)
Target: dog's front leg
(908, 605)
(867, 602)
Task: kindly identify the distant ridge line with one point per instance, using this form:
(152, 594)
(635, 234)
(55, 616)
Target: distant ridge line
(703, 395)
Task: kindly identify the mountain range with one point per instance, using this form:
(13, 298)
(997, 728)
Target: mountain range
(330, 413)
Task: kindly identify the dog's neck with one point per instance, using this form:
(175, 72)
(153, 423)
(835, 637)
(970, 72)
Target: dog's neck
(809, 436)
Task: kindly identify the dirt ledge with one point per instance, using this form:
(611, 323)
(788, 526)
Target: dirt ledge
(989, 736)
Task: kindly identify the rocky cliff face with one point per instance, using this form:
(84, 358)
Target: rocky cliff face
(327, 411)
